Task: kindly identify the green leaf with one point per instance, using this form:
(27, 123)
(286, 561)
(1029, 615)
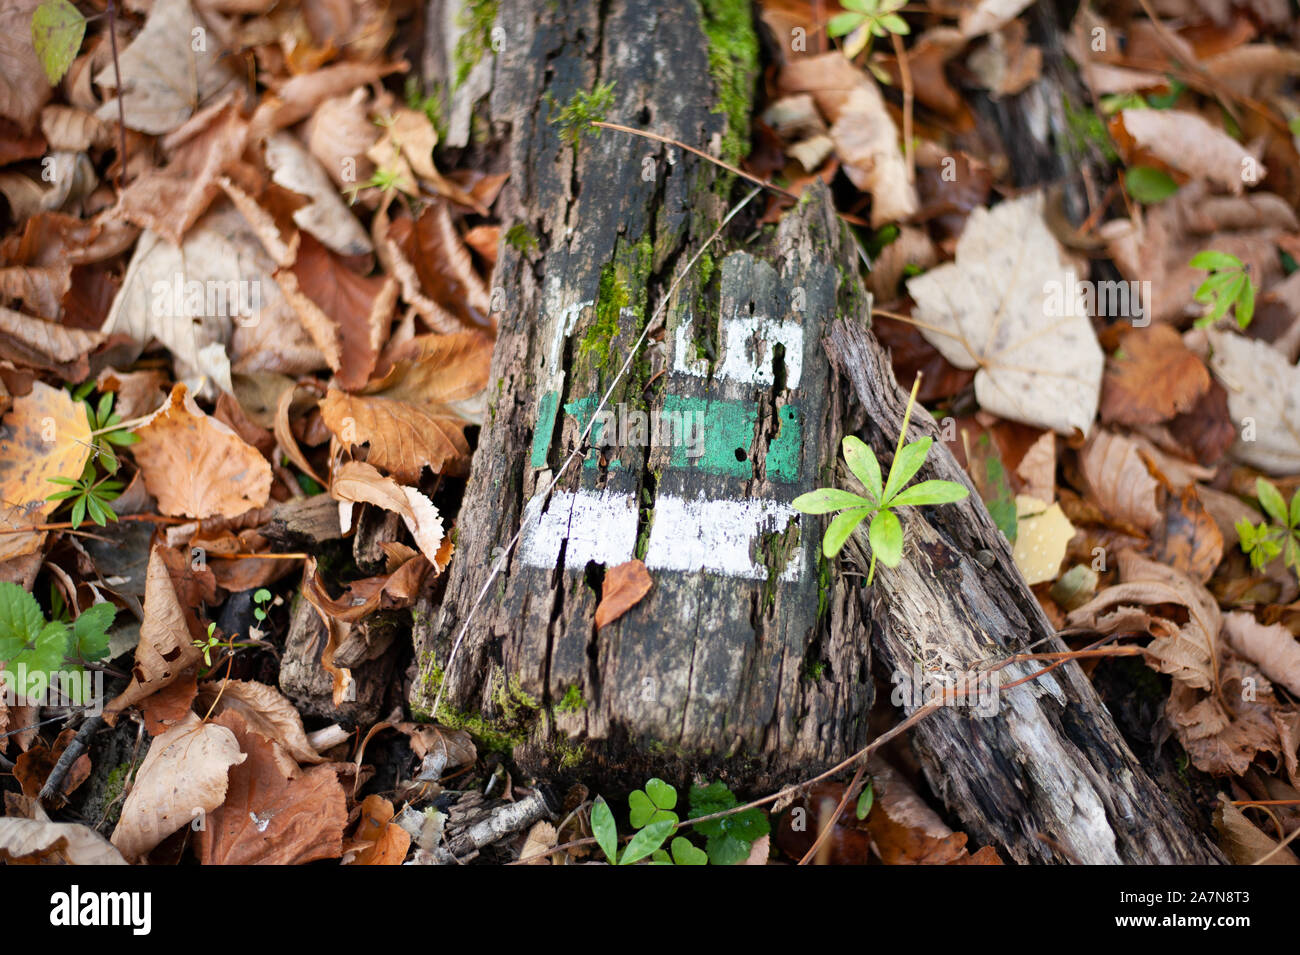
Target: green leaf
(1215, 261)
(841, 526)
(654, 804)
(930, 492)
(706, 800)
(1295, 510)
(865, 800)
(78, 511)
(827, 499)
(604, 829)
(90, 632)
(895, 24)
(906, 463)
(862, 462)
(1245, 302)
(1271, 500)
(647, 841)
(57, 30)
(43, 657)
(1149, 186)
(1212, 286)
(684, 853)
(122, 438)
(843, 24)
(21, 619)
(887, 538)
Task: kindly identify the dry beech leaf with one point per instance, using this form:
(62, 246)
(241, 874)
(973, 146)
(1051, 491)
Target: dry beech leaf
(1119, 481)
(623, 588)
(1224, 733)
(415, 415)
(33, 767)
(166, 79)
(196, 466)
(356, 482)
(23, 88)
(378, 840)
(297, 98)
(347, 315)
(541, 838)
(74, 130)
(906, 831)
(325, 216)
(1274, 649)
(40, 842)
(1007, 64)
(1155, 378)
(265, 710)
(40, 287)
(360, 598)
(866, 139)
(1008, 307)
(442, 266)
(1189, 539)
(183, 775)
(45, 435)
(1264, 395)
(340, 130)
(989, 15)
(36, 343)
(166, 648)
(1242, 842)
(1192, 145)
(273, 813)
(1186, 652)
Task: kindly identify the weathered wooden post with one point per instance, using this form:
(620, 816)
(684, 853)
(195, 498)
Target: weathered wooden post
(743, 648)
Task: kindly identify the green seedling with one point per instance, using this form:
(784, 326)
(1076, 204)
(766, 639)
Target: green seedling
(1228, 287)
(1280, 537)
(883, 495)
(34, 649)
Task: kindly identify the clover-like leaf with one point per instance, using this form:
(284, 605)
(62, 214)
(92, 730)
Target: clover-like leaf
(653, 804)
(684, 853)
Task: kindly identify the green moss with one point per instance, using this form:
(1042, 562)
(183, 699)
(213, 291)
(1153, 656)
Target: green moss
(476, 18)
(113, 789)
(500, 734)
(733, 61)
(776, 549)
(611, 299)
(573, 700)
(520, 238)
(571, 755)
(576, 117)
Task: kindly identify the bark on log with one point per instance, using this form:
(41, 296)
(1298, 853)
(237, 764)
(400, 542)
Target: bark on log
(741, 652)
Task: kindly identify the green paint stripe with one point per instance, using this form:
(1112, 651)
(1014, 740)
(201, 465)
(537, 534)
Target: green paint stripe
(782, 460)
(546, 409)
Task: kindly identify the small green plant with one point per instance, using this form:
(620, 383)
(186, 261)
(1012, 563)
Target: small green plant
(91, 494)
(652, 814)
(57, 31)
(33, 649)
(208, 645)
(260, 596)
(880, 17)
(1265, 542)
(576, 118)
(1228, 287)
(883, 495)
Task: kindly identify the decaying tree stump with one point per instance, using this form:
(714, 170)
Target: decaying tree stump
(741, 649)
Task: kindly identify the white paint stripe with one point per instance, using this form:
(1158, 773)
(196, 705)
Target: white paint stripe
(748, 351)
(689, 536)
(716, 536)
(564, 324)
(599, 526)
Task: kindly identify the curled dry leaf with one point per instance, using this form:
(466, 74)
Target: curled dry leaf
(1190, 144)
(415, 415)
(23, 87)
(324, 216)
(1008, 307)
(40, 842)
(443, 268)
(183, 775)
(378, 840)
(1264, 396)
(297, 98)
(1189, 540)
(273, 813)
(166, 648)
(866, 138)
(1119, 481)
(906, 831)
(623, 588)
(338, 133)
(45, 435)
(357, 482)
(1242, 842)
(989, 15)
(1154, 377)
(196, 466)
(1274, 649)
(265, 710)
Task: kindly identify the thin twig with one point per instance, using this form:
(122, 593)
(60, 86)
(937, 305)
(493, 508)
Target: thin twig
(80, 743)
(905, 72)
(121, 93)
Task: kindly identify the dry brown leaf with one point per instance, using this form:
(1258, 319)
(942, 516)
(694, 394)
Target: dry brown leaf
(23, 87)
(1263, 395)
(356, 482)
(183, 776)
(1224, 733)
(906, 831)
(274, 813)
(166, 78)
(1038, 468)
(41, 842)
(541, 838)
(45, 435)
(347, 315)
(33, 767)
(1274, 649)
(324, 216)
(988, 15)
(1009, 307)
(73, 130)
(1189, 539)
(1242, 842)
(1042, 538)
(1118, 480)
(297, 98)
(443, 267)
(1190, 144)
(378, 840)
(40, 287)
(36, 343)
(866, 138)
(360, 598)
(166, 648)
(1187, 652)
(623, 588)
(1007, 64)
(414, 416)
(1154, 378)
(339, 133)
(265, 710)
(196, 466)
